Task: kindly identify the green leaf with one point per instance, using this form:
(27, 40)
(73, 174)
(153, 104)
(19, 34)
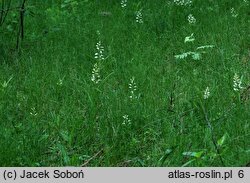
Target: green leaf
(65, 136)
(222, 140)
(247, 151)
(193, 154)
(44, 137)
(205, 46)
(187, 163)
(189, 38)
(164, 157)
(64, 154)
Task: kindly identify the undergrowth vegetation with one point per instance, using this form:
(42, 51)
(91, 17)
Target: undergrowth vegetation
(126, 83)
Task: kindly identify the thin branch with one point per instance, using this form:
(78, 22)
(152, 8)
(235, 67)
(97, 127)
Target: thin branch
(20, 33)
(2, 11)
(4, 15)
(93, 157)
(10, 9)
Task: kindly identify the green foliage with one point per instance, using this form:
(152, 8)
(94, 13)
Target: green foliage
(148, 108)
(196, 55)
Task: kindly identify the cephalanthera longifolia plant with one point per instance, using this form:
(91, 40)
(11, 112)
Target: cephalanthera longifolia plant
(197, 53)
(99, 57)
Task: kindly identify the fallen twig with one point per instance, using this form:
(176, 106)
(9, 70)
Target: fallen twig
(93, 157)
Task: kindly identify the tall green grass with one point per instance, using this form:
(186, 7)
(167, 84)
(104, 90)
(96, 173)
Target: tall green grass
(52, 114)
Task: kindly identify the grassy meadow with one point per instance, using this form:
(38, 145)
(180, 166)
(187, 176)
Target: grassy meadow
(126, 83)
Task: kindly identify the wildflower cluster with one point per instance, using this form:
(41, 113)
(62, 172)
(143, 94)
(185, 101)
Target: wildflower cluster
(234, 13)
(246, 1)
(132, 87)
(96, 78)
(126, 120)
(183, 2)
(123, 3)
(60, 82)
(206, 93)
(237, 83)
(139, 17)
(33, 111)
(191, 19)
(99, 51)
